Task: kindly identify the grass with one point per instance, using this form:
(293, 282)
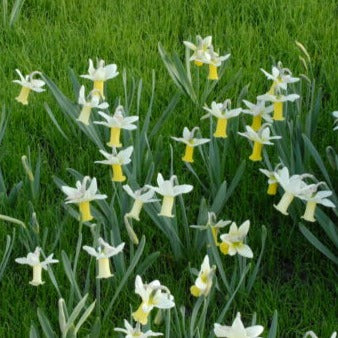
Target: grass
(53, 36)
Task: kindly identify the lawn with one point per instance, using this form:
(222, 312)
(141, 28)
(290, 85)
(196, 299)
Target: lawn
(56, 36)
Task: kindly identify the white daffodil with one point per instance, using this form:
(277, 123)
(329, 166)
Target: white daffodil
(259, 138)
(214, 62)
(191, 142)
(272, 180)
(280, 76)
(278, 100)
(293, 186)
(33, 259)
(140, 196)
(237, 330)
(311, 334)
(117, 122)
(153, 295)
(214, 225)
(232, 242)
(28, 84)
(312, 199)
(223, 112)
(259, 112)
(136, 332)
(117, 160)
(203, 283)
(102, 255)
(100, 74)
(88, 103)
(169, 190)
(201, 49)
(335, 115)
(82, 195)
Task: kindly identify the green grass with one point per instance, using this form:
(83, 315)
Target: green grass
(53, 36)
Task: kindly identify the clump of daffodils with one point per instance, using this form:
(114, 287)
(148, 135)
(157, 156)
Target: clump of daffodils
(102, 254)
(153, 295)
(88, 103)
(237, 330)
(260, 138)
(28, 84)
(117, 122)
(133, 332)
(117, 160)
(83, 194)
(33, 259)
(140, 196)
(223, 112)
(259, 112)
(190, 141)
(272, 179)
(169, 190)
(232, 243)
(203, 283)
(100, 75)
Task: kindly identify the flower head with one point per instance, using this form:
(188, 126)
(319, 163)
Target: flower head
(121, 158)
(136, 332)
(272, 179)
(102, 72)
(200, 50)
(215, 59)
(92, 101)
(189, 139)
(221, 110)
(261, 136)
(278, 97)
(104, 250)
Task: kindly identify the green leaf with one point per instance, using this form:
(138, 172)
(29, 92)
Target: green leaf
(274, 326)
(45, 324)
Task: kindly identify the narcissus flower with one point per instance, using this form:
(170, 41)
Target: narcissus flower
(259, 112)
(311, 334)
(191, 142)
(28, 84)
(278, 99)
(233, 242)
(33, 259)
(140, 196)
(100, 74)
(203, 283)
(102, 255)
(259, 138)
(215, 62)
(153, 295)
(237, 330)
(88, 103)
(117, 160)
(136, 332)
(280, 76)
(117, 122)
(169, 191)
(273, 182)
(223, 112)
(201, 50)
(312, 199)
(82, 196)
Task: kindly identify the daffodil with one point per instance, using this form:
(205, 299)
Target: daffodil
(88, 103)
(313, 198)
(280, 76)
(28, 84)
(293, 186)
(117, 122)
(237, 330)
(169, 191)
(140, 196)
(33, 259)
(273, 182)
(203, 283)
(278, 99)
(117, 160)
(153, 295)
(200, 50)
(223, 112)
(259, 138)
(214, 225)
(136, 332)
(259, 112)
(335, 115)
(100, 75)
(311, 334)
(215, 62)
(233, 242)
(190, 142)
(102, 255)
(83, 195)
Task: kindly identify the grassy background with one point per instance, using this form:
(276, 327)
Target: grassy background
(52, 36)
